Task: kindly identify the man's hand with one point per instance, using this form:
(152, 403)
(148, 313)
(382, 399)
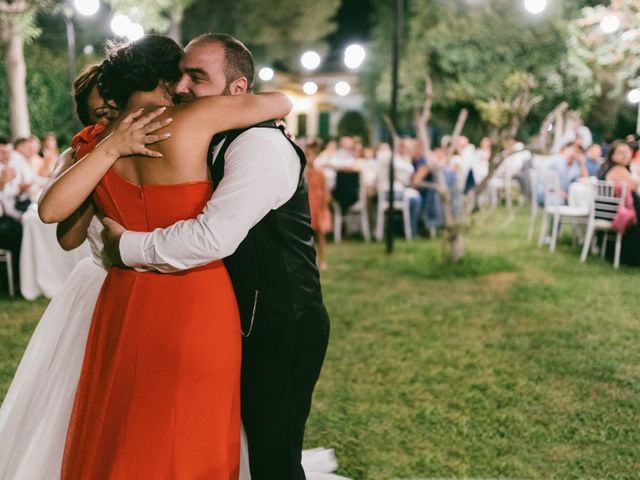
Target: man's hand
(111, 237)
(287, 132)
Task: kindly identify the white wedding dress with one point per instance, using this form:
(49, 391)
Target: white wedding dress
(35, 412)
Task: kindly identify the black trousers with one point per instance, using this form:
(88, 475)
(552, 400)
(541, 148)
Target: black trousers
(279, 373)
(11, 239)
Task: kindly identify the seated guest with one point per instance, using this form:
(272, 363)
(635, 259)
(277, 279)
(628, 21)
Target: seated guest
(345, 158)
(35, 160)
(634, 167)
(403, 173)
(10, 226)
(7, 173)
(26, 185)
(593, 159)
(483, 157)
(517, 165)
(463, 163)
(569, 164)
(50, 154)
(318, 202)
(369, 171)
(616, 169)
(432, 215)
(578, 134)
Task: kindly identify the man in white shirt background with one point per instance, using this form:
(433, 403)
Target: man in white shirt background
(12, 186)
(17, 193)
(258, 221)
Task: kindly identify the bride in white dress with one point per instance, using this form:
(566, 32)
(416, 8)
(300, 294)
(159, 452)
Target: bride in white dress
(35, 413)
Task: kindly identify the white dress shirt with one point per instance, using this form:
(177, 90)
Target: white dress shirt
(11, 192)
(261, 174)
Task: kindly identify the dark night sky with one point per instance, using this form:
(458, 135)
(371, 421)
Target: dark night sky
(354, 17)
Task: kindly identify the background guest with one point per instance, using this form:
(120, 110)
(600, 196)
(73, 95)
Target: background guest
(569, 164)
(18, 193)
(319, 198)
(616, 169)
(10, 226)
(50, 154)
(402, 185)
(593, 159)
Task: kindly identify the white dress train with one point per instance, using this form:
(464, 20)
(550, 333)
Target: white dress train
(35, 413)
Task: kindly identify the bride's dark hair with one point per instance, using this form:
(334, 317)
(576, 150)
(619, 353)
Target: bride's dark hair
(142, 65)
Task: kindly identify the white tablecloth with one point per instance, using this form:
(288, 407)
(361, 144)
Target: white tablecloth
(44, 265)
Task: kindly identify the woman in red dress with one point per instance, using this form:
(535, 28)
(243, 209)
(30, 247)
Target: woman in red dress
(319, 197)
(159, 395)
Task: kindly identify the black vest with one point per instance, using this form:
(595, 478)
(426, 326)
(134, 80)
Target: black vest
(273, 270)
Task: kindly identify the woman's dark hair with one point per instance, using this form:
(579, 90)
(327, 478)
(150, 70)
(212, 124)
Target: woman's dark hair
(139, 66)
(82, 86)
(609, 163)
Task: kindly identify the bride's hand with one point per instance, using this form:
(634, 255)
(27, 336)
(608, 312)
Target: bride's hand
(136, 131)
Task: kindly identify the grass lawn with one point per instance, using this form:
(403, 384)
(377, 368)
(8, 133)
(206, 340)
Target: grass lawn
(517, 363)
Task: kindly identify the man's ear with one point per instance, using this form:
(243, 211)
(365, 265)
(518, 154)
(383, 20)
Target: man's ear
(238, 86)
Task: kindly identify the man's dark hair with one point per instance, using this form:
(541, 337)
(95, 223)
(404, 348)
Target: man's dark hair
(238, 61)
(3, 140)
(82, 86)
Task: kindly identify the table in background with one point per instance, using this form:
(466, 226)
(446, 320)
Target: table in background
(44, 265)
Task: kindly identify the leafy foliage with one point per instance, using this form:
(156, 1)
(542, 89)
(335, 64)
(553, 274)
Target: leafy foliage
(50, 103)
(278, 30)
(157, 15)
(471, 48)
(607, 65)
(353, 123)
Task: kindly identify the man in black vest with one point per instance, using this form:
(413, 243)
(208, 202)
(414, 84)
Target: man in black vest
(258, 221)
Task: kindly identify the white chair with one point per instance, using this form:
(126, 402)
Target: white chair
(360, 208)
(5, 256)
(552, 197)
(553, 207)
(608, 198)
(535, 180)
(402, 205)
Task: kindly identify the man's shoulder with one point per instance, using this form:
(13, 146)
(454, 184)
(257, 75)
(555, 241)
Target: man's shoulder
(268, 141)
(263, 133)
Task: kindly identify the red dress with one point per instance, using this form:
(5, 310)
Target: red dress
(159, 392)
(318, 201)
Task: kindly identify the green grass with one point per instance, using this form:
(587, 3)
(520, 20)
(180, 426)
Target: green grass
(516, 363)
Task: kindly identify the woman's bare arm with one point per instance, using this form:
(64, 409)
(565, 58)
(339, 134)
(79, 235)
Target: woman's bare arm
(211, 115)
(67, 192)
(72, 231)
(621, 174)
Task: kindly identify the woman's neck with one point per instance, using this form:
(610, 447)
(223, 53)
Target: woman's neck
(154, 98)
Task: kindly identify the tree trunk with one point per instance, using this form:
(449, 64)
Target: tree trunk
(175, 31)
(454, 245)
(16, 72)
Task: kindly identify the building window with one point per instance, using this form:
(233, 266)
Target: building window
(323, 126)
(302, 125)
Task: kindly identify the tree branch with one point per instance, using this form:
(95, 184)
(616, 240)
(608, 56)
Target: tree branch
(457, 130)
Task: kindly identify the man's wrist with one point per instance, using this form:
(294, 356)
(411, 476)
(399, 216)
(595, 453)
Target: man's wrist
(131, 249)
